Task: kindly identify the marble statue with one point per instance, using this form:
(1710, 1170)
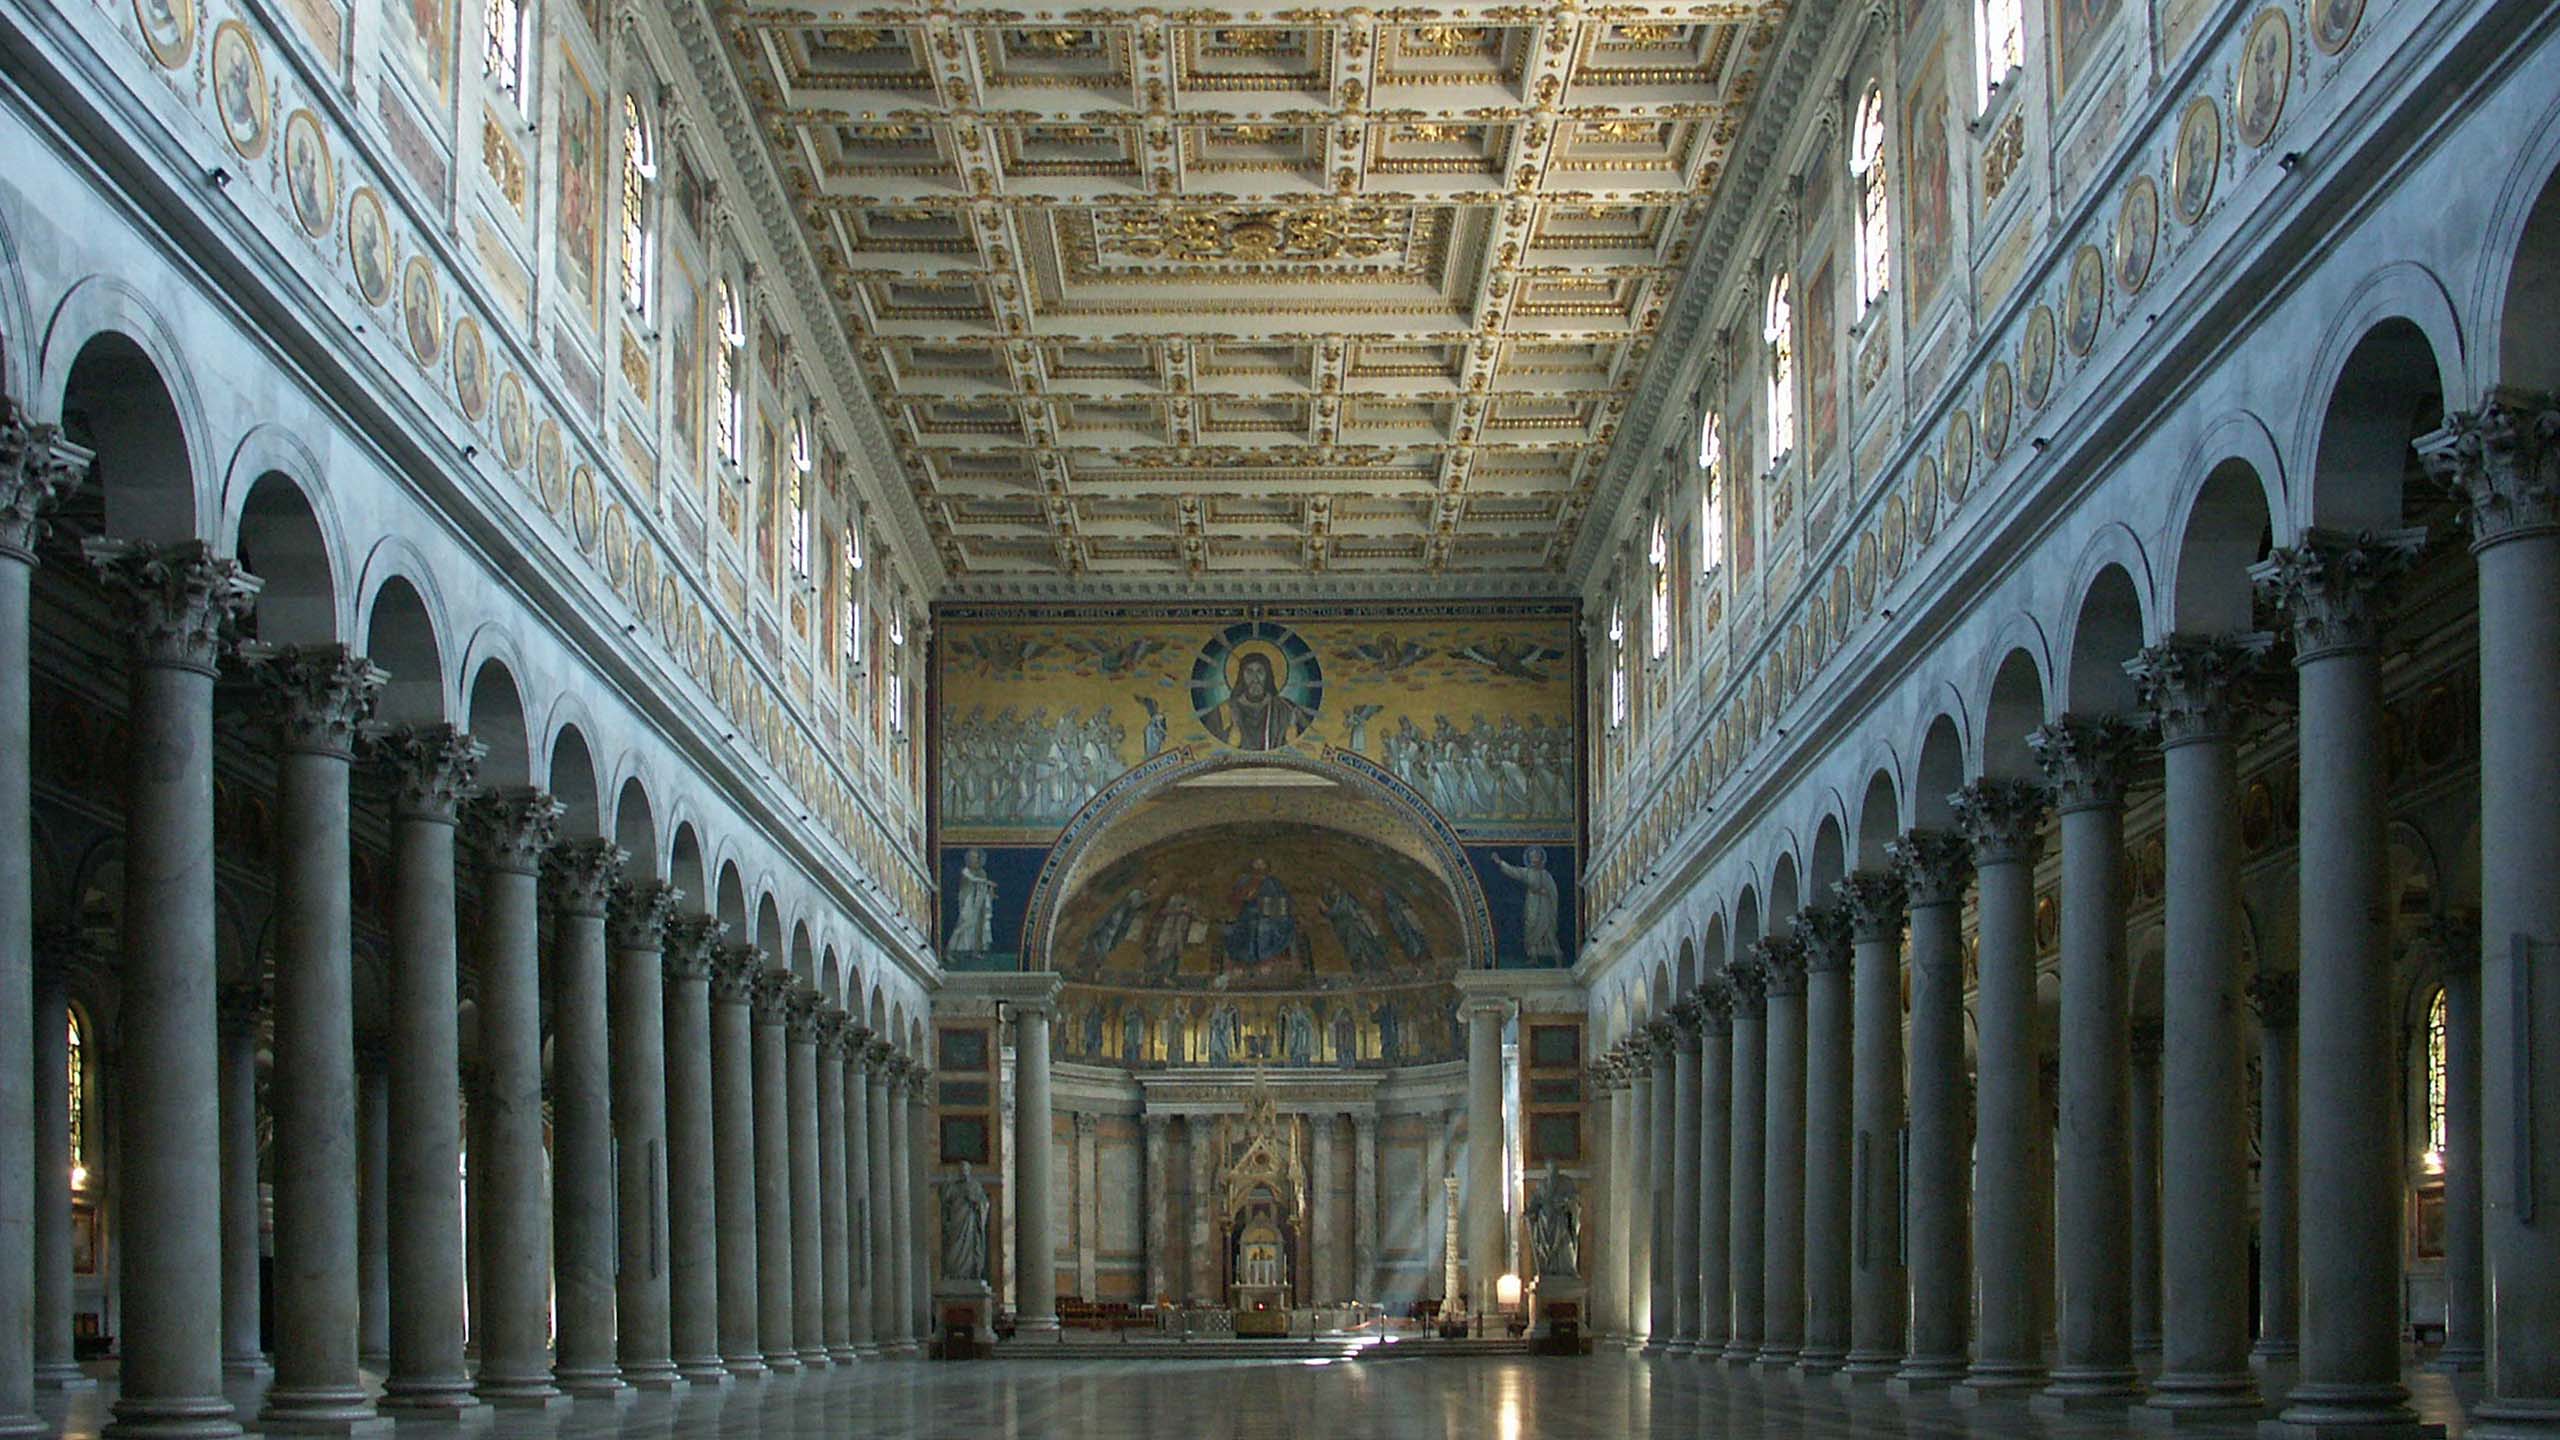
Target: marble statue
(964, 1226)
(1555, 1225)
(973, 926)
(1537, 905)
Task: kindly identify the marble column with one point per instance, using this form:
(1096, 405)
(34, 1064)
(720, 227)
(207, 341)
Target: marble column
(1935, 867)
(923, 1255)
(837, 1306)
(1680, 1221)
(1745, 1234)
(512, 829)
(636, 925)
(1364, 1206)
(2086, 759)
(1157, 1131)
(1641, 1156)
(37, 467)
(58, 948)
(902, 1201)
(2456, 944)
(316, 695)
(242, 1015)
(880, 1178)
(1662, 1151)
(776, 1272)
(1600, 1245)
(2001, 819)
(580, 875)
(1829, 953)
(687, 947)
(1782, 1172)
(1324, 1257)
(1485, 1016)
(808, 1253)
(735, 971)
(2271, 995)
(373, 1212)
(175, 603)
(1200, 1135)
(431, 769)
(1713, 1219)
(2203, 1326)
(1035, 1236)
(1621, 1242)
(2503, 461)
(2331, 585)
(1876, 1282)
(2142, 1132)
(859, 1261)
(1088, 1218)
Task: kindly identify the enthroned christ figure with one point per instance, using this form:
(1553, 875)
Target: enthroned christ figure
(1255, 715)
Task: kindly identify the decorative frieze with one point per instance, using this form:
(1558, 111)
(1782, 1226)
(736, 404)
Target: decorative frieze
(2332, 584)
(179, 603)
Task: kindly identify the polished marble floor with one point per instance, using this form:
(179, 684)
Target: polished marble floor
(1411, 1397)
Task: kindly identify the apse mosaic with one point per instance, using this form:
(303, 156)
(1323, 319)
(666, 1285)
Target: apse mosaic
(1473, 711)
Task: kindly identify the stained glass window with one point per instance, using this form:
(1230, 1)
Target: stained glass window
(1779, 333)
(639, 172)
(1875, 234)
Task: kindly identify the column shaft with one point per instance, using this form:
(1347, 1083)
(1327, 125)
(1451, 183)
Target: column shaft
(1035, 1238)
(1324, 1249)
(1640, 1197)
(902, 1191)
(244, 1348)
(1200, 1134)
(1782, 1172)
(1484, 1186)
(581, 875)
(693, 1214)
(373, 1213)
(2142, 1135)
(733, 1126)
(56, 1368)
(1714, 1218)
(1623, 1145)
(1680, 1224)
(1748, 1171)
(2002, 818)
(860, 1262)
(1827, 1120)
(176, 601)
(2272, 993)
(1663, 1153)
(808, 1252)
(1156, 1130)
(642, 1299)
(775, 1269)
(1935, 867)
(432, 768)
(879, 1205)
(512, 1307)
(833, 1238)
(1364, 1207)
(1877, 1297)
(2465, 1330)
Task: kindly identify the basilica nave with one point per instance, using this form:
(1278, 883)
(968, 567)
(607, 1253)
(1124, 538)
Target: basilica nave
(1758, 718)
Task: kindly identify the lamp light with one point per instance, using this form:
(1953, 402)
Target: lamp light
(1506, 1292)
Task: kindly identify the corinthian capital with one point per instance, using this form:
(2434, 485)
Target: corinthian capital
(433, 768)
(320, 694)
(2331, 584)
(637, 914)
(179, 602)
(774, 988)
(37, 468)
(2088, 759)
(580, 875)
(1934, 866)
(1874, 900)
(2273, 993)
(1687, 1015)
(1782, 961)
(1748, 978)
(1825, 931)
(734, 971)
(2503, 461)
(800, 1007)
(2001, 818)
(685, 949)
(512, 827)
(2186, 682)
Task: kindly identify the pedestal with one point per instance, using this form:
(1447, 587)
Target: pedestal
(1559, 1316)
(963, 1320)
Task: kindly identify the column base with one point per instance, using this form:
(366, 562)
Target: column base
(1680, 1348)
(587, 1382)
(1774, 1357)
(2178, 1400)
(438, 1404)
(2517, 1419)
(1023, 1325)
(367, 1426)
(248, 1367)
(744, 1367)
(515, 1396)
(1867, 1367)
(2275, 1352)
(2462, 1361)
(656, 1379)
(2357, 1430)
(782, 1362)
(1928, 1376)
(1740, 1352)
(322, 1410)
(66, 1375)
(1825, 1360)
(815, 1357)
(24, 1427)
(2347, 1412)
(1997, 1384)
(2152, 1416)
(2081, 1389)
(843, 1354)
(376, 1361)
(703, 1372)
(198, 1417)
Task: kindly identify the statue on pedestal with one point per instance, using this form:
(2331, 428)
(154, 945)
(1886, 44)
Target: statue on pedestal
(1555, 1225)
(964, 1226)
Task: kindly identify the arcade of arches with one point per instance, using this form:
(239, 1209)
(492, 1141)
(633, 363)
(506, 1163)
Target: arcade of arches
(1753, 718)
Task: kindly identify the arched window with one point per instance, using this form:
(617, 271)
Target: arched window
(1710, 495)
(1657, 640)
(1779, 332)
(1617, 665)
(1875, 232)
(2004, 43)
(896, 667)
(76, 1084)
(796, 493)
(502, 47)
(728, 359)
(851, 618)
(639, 174)
(2436, 1082)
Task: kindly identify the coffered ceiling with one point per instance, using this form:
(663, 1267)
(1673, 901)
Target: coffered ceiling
(1333, 292)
